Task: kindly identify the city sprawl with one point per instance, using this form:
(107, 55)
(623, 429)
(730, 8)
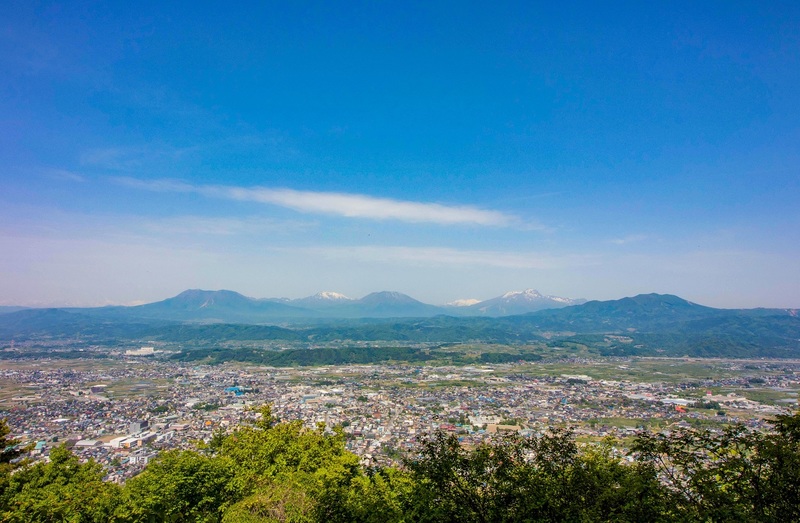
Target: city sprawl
(122, 411)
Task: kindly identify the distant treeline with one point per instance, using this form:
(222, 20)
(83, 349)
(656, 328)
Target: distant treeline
(44, 354)
(502, 357)
(345, 356)
(306, 357)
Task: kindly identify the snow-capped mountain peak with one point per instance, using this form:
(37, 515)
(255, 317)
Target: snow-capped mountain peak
(463, 303)
(526, 294)
(521, 302)
(330, 295)
(324, 299)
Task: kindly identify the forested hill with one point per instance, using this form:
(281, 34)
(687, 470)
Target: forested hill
(284, 472)
(644, 324)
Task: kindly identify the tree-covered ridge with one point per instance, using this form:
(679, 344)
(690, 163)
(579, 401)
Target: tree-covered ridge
(281, 472)
(656, 325)
(306, 357)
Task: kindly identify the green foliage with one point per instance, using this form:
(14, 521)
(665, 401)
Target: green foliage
(285, 472)
(731, 475)
(208, 407)
(306, 357)
(62, 490)
(286, 450)
(536, 479)
(276, 502)
(502, 357)
(9, 448)
(378, 497)
(711, 405)
(182, 486)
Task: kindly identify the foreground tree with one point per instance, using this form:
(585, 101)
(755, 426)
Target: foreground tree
(289, 458)
(180, 486)
(285, 472)
(732, 475)
(62, 490)
(9, 447)
(9, 451)
(278, 502)
(538, 479)
(268, 471)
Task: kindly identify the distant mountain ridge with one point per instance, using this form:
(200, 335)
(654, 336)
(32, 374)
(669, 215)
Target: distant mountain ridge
(4, 309)
(551, 312)
(324, 297)
(210, 306)
(394, 304)
(635, 313)
(462, 303)
(646, 324)
(521, 302)
(226, 306)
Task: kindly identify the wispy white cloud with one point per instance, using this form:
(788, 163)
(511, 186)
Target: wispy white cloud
(339, 204)
(448, 257)
(631, 238)
(133, 157)
(64, 175)
(362, 206)
(43, 222)
(156, 185)
(223, 226)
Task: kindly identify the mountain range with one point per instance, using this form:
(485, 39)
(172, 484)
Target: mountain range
(224, 306)
(519, 302)
(646, 324)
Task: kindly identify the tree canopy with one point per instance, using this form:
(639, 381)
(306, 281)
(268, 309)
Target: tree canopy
(272, 471)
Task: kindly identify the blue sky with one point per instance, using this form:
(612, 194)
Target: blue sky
(444, 150)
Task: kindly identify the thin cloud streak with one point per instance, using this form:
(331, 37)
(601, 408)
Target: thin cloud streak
(130, 158)
(64, 175)
(629, 239)
(199, 225)
(338, 204)
(361, 206)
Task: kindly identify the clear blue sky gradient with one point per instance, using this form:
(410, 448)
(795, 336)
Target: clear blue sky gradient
(445, 150)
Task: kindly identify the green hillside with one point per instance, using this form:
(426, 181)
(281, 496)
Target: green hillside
(649, 324)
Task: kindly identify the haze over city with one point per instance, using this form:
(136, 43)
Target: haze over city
(446, 151)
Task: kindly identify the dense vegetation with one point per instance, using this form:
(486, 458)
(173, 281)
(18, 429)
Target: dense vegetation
(270, 472)
(345, 356)
(306, 357)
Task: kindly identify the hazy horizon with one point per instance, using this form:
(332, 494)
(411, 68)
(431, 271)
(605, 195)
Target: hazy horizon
(352, 297)
(442, 151)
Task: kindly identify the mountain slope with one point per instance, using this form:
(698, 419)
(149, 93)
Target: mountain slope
(207, 306)
(641, 312)
(648, 324)
(322, 301)
(519, 302)
(5, 309)
(389, 304)
(61, 324)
